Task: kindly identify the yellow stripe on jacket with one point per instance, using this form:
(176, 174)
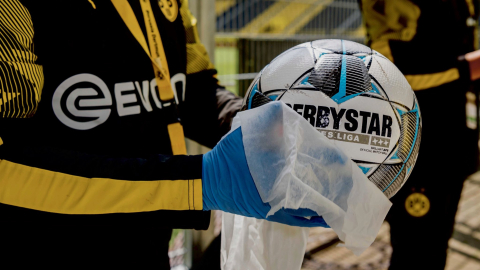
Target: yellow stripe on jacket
(49, 191)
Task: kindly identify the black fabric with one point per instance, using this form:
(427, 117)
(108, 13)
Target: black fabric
(86, 247)
(448, 149)
(207, 115)
(71, 38)
(227, 107)
(211, 257)
(18, 216)
(198, 112)
(448, 154)
(441, 36)
(74, 40)
(151, 167)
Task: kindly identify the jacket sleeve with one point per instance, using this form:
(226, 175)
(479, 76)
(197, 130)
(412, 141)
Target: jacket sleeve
(207, 109)
(47, 185)
(408, 29)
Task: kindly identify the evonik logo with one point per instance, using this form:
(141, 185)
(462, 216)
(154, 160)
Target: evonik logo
(94, 106)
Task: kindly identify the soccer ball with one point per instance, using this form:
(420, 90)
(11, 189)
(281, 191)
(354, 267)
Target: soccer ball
(354, 96)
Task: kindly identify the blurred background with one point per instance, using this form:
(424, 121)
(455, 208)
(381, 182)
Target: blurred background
(250, 33)
(241, 37)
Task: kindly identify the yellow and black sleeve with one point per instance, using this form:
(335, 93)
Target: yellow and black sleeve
(424, 43)
(208, 108)
(45, 184)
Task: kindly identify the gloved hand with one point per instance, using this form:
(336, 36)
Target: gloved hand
(229, 186)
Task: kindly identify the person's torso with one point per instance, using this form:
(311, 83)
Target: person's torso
(423, 36)
(100, 93)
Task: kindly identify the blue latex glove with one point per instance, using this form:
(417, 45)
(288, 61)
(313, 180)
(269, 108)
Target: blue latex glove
(228, 186)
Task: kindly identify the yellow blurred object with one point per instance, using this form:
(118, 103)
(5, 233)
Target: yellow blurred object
(169, 8)
(55, 192)
(286, 18)
(425, 81)
(417, 204)
(159, 61)
(390, 20)
(93, 4)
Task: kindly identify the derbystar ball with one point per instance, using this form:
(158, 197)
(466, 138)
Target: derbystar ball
(354, 96)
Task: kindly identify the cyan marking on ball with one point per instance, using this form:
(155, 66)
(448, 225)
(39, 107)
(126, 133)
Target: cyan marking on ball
(411, 148)
(341, 97)
(375, 89)
(346, 98)
(365, 170)
(416, 130)
(395, 156)
(400, 111)
(342, 91)
(273, 97)
(408, 169)
(305, 81)
(254, 90)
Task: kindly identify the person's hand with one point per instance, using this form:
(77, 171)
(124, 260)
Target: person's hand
(228, 186)
(473, 59)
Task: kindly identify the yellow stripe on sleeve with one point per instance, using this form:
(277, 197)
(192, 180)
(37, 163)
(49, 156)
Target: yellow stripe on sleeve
(425, 81)
(197, 56)
(48, 191)
(22, 81)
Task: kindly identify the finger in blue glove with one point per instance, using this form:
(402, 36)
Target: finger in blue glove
(228, 186)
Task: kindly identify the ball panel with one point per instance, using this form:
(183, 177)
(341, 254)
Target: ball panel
(393, 157)
(379, 54)
(373, 120)
(284, 71)
(342, 46)
(333, 45)
(413, 157)
(356, 48)
(253, 85)
(314, 106)
(340, 76)
(307, 45)
(392, 81)
(367, 168)
(365, 105)
(377, 91)
(274, 94)
(389, 178)
(303, 83)
(317, 52)
(326, 74)
(407, 150)
(300, 98)
(408, 135)
(365, 128)
(357, 77)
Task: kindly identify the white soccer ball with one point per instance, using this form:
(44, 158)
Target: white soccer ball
(354, 96)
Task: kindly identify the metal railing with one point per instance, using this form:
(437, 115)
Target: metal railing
(250, 33)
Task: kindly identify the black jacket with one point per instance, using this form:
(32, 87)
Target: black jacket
(423, 38)
(84, 133)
